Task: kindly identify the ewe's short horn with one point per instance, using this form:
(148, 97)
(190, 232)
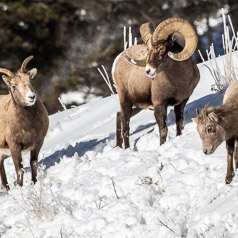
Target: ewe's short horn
(171, 25)
(25, 62)
(7, 72)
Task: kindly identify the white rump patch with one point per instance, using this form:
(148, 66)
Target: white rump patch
(114, 65)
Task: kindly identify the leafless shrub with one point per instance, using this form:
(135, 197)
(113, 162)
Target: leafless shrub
(229, 73)
(39, 201)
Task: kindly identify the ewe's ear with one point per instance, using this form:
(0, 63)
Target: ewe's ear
(6, 79)
(146, 31)
(213, 117)
(32, 73)
(195, 119)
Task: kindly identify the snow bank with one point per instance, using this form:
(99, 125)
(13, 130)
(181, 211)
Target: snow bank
(87, 188)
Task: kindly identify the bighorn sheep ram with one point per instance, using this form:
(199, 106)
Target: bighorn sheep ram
(23, 122)
(155, 75)
(215, 125)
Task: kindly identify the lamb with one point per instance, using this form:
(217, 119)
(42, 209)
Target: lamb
(23, 122)
(155, 75)
(215, 125)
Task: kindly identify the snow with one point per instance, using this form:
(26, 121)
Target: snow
(87, 188)
(79, 97)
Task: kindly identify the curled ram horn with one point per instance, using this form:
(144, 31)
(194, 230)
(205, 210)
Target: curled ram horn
(172, 25)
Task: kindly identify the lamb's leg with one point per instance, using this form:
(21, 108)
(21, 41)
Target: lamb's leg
(160, 116)
(2, 172)
(179, 116)
(17, 159)
(34, 160)
(230, 150)
(126, 110)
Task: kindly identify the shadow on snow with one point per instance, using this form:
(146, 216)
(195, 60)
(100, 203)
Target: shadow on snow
(82, 147)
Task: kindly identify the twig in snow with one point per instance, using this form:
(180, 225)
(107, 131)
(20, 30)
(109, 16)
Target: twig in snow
(159, 174)
(61, 234)
(176, 169)
(230, 44)
(99, 205)
(166, 225)
(113, 184)
(64, 107)
(130, 38)
(106, 78)
(29, 226)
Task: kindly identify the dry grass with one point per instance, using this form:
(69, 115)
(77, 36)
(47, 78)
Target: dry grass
(229, 73)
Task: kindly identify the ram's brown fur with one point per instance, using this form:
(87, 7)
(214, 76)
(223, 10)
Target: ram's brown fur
(172, 85)
(23, 125)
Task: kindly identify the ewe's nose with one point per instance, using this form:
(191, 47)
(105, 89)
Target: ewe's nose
(32, 97)
(147, 71)
(205, 151)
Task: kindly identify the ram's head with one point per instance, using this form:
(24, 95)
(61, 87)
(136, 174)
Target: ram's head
(174, 37)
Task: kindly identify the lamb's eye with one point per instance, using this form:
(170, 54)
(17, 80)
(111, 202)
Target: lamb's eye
(210, 129)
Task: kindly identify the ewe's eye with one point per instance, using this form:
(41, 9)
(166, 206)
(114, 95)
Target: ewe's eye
(14, 87)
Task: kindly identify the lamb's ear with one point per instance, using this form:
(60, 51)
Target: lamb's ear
(6, 79)
(213, 116)
(195, 119)
(32, 73)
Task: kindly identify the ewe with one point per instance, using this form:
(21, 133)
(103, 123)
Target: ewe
(23, 122)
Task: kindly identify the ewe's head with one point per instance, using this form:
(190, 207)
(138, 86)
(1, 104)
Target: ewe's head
(160, 41)
(19, 84)
(210, 130)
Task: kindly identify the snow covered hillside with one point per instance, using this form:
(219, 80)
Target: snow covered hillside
(87, 188)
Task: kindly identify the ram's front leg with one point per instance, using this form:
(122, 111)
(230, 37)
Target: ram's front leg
(179, 110)
(160, 116)
(236, 154)
(17, 159)
(126, 110)
(2, 172)
(230, 150)
(119, 139)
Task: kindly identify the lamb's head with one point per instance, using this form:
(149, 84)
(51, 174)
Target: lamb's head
(210, 130)
(19, 84)
(161, 41)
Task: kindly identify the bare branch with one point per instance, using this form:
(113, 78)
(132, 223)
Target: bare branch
(165, 225)
(115, 191)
